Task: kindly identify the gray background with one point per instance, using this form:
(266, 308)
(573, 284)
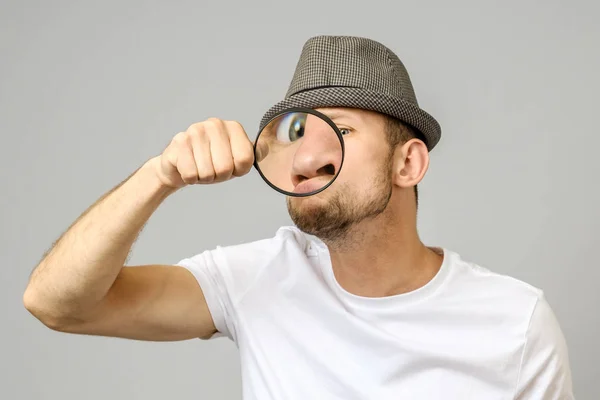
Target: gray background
(90, 90)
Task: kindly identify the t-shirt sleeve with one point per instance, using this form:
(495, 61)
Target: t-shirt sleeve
(226, 273)
(545, 371)
(212, 281)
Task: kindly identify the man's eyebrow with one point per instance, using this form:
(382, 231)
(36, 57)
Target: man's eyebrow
(338, 114)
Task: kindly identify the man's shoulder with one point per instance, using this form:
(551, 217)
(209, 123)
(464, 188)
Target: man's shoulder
(513, 312)
(483, 286)
(285, 240)
(285, 234)
(487, 277)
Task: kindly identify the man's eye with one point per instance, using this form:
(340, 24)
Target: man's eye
(296, 130)
(291, 127)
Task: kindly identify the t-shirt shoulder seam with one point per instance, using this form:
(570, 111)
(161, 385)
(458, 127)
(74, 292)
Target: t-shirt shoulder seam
(280, 239)
(526, 339)
(504, 277)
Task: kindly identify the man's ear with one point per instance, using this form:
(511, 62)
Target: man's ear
(411, 161)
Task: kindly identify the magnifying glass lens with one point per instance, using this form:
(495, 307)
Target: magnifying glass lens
(299, 153)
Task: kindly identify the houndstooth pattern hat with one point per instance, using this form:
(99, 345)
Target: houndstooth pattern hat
(349, 71)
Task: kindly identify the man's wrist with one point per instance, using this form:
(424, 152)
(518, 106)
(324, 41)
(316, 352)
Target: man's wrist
(148, 175)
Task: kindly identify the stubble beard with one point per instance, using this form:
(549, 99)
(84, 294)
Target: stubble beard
(334, 219)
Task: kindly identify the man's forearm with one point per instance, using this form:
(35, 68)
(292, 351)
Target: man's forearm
(80, 268)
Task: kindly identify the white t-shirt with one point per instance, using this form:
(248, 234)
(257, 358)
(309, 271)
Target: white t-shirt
(467, 334)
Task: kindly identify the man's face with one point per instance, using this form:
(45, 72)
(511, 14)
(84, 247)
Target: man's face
(364, 185)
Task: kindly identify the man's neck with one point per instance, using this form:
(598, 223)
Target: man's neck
(383, 257)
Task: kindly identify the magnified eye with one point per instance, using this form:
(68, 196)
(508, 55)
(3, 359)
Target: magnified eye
(291, 127)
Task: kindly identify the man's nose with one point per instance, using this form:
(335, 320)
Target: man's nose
(319, 152)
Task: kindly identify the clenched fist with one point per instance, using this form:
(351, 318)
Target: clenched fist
(207, 152)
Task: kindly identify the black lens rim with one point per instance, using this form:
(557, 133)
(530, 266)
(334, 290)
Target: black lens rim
(317, 114)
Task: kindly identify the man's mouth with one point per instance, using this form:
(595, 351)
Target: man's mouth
(310, 185)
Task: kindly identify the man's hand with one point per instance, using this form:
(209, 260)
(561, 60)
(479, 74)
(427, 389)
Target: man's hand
(207, 152)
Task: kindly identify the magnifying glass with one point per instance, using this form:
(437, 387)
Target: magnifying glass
(299, 152)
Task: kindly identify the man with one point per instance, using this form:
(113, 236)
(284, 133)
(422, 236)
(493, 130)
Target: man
(346, 304)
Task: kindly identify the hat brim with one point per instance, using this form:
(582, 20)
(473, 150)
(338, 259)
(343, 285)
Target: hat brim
(364, 99)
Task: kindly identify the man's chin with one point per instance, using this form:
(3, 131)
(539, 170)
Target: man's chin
(309, 225)
(311, 218)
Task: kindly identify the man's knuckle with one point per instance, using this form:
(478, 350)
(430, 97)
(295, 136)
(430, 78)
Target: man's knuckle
(224, 170)
(189, 178)
(180, 137)
(245, 160)
(206, 177)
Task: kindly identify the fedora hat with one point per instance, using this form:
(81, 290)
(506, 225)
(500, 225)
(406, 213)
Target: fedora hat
(356, 72)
